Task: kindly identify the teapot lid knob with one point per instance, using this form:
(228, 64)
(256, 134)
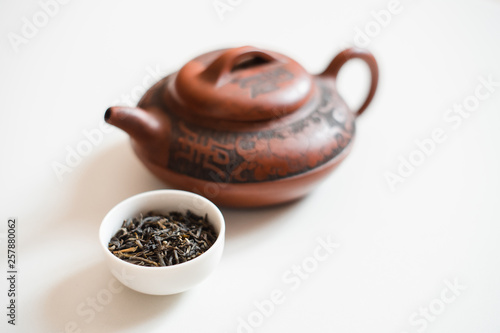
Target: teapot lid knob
(243, 84)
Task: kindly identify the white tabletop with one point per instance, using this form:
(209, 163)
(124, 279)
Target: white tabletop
(412, 214)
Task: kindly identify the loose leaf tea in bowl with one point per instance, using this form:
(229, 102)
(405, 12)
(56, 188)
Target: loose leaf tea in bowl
(162, 240)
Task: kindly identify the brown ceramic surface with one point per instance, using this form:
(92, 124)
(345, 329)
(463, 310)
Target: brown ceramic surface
(244, 127)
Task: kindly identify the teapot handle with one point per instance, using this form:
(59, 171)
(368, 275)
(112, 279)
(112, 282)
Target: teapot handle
(355, 53)
(228, 62)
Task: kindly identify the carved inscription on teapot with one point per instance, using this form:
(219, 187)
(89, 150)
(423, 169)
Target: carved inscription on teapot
(249, 157)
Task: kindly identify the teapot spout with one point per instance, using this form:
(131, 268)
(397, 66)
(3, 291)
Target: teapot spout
(149, 130)
(136, 122)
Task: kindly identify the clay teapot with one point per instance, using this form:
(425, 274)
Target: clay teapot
(244, 127)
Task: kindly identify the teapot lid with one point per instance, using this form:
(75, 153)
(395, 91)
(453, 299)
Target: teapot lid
(243, 84)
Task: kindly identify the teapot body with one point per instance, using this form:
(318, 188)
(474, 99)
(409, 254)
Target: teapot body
(249, 162)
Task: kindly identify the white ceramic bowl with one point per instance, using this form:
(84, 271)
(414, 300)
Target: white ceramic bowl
(170, 279)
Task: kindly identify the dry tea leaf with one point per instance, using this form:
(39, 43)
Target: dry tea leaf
(162, 240)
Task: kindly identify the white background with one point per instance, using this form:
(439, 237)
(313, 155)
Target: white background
(397, 248)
